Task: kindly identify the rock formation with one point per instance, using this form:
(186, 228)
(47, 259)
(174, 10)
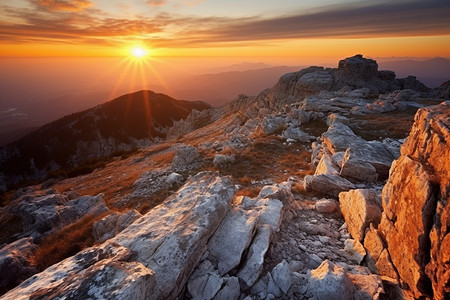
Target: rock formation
(415, 206)
(412, 242)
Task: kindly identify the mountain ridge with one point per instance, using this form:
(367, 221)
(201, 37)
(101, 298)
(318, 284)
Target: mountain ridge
(121, 124)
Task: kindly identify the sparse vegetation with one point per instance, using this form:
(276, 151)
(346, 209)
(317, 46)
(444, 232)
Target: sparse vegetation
(268, 158)
(66, 241)
(10, 225)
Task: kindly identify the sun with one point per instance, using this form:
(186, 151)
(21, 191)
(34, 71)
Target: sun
(138, 52)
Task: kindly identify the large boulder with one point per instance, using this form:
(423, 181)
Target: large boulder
(328, 184)
(360, 153)
(151, 259)
(360, 208)
(185, 157)
(295, 133)
(42, 213)
(16, 263)
(416, 214)
(272, 125)
(358, 66)
(102, 272)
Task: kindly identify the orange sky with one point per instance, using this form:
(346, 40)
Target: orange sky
(320, 29)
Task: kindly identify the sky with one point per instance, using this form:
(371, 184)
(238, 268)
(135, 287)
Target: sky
(230, 28)
(62, 56)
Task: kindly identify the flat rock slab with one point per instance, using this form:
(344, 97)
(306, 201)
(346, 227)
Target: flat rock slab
(151, 259)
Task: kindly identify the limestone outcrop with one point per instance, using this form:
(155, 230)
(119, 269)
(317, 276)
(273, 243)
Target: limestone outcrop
(42, 213)
(152, 258)
(416, 213)
(411, 244)
(17, 263)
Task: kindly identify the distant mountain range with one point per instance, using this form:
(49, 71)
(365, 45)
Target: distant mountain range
(217, 86)
(117, 125)
(220, 88)
(432, 72)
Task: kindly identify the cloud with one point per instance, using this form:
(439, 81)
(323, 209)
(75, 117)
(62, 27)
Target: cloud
(63, 5)
(356, 20)
(352, 21)
(72, 27)
(156, 2)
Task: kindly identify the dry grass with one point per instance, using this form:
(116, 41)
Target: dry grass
(10, 224)
(396, 124)
(249, 191)
(66, 242)
(268, 158)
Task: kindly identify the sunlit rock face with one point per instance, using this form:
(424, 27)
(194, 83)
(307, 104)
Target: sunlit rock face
(416, 214)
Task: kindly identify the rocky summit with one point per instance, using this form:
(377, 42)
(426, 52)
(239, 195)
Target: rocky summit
(332, 184)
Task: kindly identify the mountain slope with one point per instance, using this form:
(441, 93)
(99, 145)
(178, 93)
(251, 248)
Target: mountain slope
(118, 125)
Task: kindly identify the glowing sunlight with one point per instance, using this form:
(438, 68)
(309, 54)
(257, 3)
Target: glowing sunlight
(139, 52)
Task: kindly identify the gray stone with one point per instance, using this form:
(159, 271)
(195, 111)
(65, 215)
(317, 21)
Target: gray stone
(270, 213)
(230, 291)
(295, 133)
(315, 81)
(326, 166)
(112, 224)
(252, 267)
(281, 275)
(328, 184)
(335, 117)
(272, 125)
(174, 178)
(152, 258)
(17, 262)
(357, 169)
(223, 160)
(329, 281)
(272, 287)
(231, 239)
(360, 208)
(185, 157)
(340, 137)
(326, 205)
(204, 282)
(280, 191)
(355, 250)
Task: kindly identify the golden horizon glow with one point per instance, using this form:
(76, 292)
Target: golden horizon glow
(215, 28)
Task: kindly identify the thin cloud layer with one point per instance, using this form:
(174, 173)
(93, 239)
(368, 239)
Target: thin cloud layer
(375, 20)
(356, 20)
(156, 2)
(63, 5)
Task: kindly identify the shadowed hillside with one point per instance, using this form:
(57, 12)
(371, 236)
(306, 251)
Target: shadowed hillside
(115, 126)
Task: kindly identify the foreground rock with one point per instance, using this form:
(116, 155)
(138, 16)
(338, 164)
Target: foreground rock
(330, 281)
(237, 249)
(43, 213)
(415, 202)
(152, 258)
(16, 263)
(360, 208)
